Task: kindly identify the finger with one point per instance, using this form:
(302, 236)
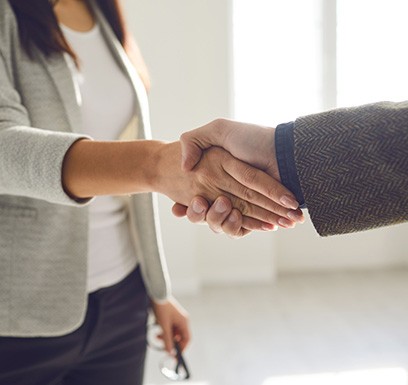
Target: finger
(167, 338)
(194, 142)
(249, 174)
(296, 216)
(262, 183)
(179, 210)
(235, 225)
(252, 224)
(197, 210)
(184, 335)
(246, 201)
(218, 213)
(190, 152)
(232, 226)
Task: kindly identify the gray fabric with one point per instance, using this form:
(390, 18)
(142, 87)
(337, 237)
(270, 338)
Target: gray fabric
(353, 166)
(43, 232)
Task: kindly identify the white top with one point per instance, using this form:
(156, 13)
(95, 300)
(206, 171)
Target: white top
(107, 105)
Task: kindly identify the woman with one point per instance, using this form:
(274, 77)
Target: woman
(78, 274)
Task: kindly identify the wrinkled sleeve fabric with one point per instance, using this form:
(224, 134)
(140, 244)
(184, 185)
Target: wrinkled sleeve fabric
(352, 165)
(31, 158)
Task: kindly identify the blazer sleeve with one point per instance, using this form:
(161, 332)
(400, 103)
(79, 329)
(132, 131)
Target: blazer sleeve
(30, 158)
(352, 165)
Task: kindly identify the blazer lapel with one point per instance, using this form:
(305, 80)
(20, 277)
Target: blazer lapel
(61, 76)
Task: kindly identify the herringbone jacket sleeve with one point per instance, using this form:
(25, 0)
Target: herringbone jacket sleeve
(352, 165)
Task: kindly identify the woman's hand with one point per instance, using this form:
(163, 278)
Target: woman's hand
(174, 322)
(251, 191)
(221, 217)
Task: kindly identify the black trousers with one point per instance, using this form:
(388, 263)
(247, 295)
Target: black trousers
(108, 349)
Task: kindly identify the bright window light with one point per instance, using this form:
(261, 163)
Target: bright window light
(277, 59)
(281, 56)
(389, 376)
(372, 56)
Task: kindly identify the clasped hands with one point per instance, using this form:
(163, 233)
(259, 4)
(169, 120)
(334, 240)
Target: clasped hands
(239, 159)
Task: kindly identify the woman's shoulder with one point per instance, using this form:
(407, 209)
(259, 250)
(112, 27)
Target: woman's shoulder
(6, 13)
(8, 24)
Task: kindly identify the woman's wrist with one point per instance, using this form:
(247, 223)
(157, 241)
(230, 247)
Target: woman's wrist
(166, 161)
(111, 168)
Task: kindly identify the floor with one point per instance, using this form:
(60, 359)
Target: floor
(337, 328)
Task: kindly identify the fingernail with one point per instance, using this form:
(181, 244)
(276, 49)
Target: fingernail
(285, 222)
(197, 208)
(268, 227)
(295, 216)
(233, 218)
(289, 202)
(220, 207)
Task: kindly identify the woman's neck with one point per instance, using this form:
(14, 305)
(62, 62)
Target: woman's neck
(75, 14)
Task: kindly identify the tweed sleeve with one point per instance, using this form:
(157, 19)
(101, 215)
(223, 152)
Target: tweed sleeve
(353, 166)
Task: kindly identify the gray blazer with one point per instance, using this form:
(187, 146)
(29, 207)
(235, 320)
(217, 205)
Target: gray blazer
(43, 233)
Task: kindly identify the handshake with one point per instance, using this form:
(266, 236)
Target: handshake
(251, 195)
(350, 166)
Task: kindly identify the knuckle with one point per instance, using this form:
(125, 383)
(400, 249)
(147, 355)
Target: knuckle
(240, 234)
(219, 122)
(184, 136)
(203, 176)
(216, 154)
(272, 192)
(249, 176)
(195, 218)
(248, 194)
(242, 206)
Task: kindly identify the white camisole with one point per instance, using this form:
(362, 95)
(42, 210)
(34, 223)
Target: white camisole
(107, 105)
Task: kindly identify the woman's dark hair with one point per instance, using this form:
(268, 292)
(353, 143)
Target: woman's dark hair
(39, 27)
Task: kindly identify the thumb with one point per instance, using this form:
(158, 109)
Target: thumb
(179, 210)
(190, 151)
(194, 142)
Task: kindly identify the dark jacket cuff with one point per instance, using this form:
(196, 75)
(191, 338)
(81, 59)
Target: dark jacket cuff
(284, 145)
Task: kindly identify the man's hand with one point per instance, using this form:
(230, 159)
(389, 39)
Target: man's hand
(248, 142)
(251, 143)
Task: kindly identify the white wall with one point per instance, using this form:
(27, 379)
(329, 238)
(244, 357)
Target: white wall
(301, 249)
(186, 44)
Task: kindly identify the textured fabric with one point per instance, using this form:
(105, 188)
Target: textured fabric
(43, 233)
(353, 166)
(108, 349)
(284, 146)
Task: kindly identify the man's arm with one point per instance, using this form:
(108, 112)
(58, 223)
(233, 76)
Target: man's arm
(353, 166)
(352, 163)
